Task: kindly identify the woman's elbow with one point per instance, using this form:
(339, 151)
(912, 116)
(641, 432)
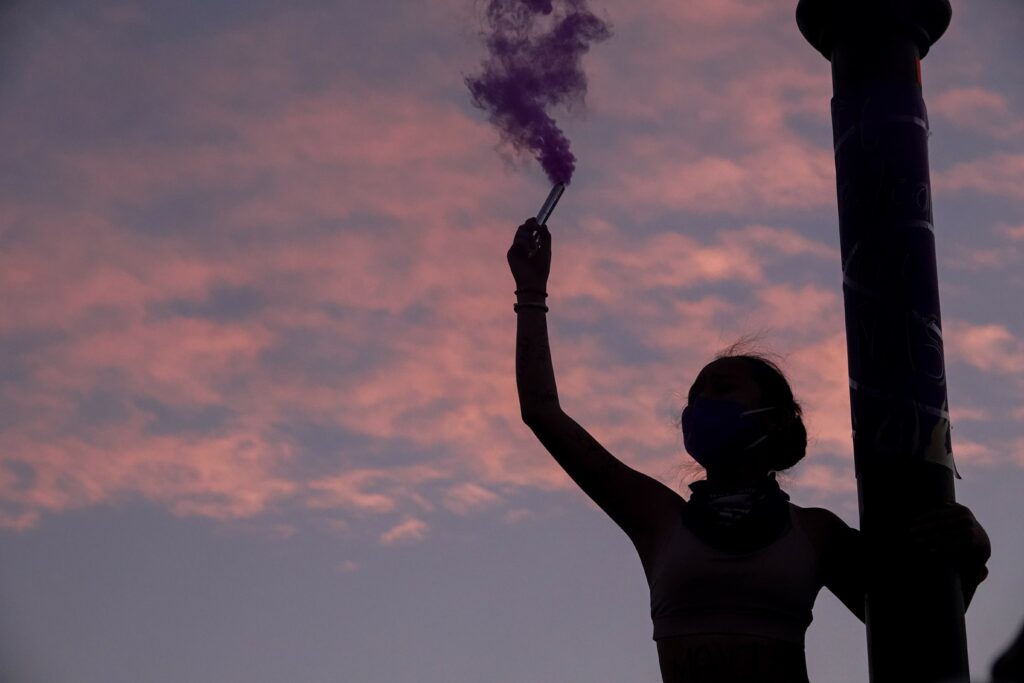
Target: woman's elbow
(969, 581)
(536, 416)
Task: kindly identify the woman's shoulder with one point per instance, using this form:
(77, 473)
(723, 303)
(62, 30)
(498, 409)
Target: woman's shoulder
(818, 516)
(820, 524)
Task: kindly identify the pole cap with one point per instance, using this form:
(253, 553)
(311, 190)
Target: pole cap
(825, 22)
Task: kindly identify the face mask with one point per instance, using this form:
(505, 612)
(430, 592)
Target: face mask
(714, 429)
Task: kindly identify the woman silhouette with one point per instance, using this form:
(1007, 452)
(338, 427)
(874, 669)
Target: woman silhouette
(734, 571)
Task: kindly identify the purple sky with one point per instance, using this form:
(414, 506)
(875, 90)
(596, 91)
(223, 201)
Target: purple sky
(258, 418)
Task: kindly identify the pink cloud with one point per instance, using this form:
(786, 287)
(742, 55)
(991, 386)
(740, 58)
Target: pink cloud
(820, 378)
(819, 477)
(1016, 452)
(223, 478)
(804, 307)
(969, 414)
(177, 359)
(376, 490)
(466, 497)
(978, 109)
(782, 241)
(1013, 232)
(991, 348)
(730, 145)
(985, 259)
(1000, 174)
(409, 530)
(970, 453)
(22, 520)
(319, 168)
(781, 174)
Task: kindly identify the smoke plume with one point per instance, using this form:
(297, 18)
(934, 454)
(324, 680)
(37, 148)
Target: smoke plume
(534, 63)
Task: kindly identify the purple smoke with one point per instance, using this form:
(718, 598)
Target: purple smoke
(530, 69)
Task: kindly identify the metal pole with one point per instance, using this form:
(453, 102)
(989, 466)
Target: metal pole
(899, 409)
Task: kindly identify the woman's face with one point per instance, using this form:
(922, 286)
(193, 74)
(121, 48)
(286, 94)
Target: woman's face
(730, 378)
(727, 378)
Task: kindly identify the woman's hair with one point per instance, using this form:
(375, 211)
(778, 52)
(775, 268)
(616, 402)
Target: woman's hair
(790, 443)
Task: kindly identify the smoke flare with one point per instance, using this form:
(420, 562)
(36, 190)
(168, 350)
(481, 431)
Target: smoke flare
(530, 69)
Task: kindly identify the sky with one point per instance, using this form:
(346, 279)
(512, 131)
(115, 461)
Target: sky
(258, 417)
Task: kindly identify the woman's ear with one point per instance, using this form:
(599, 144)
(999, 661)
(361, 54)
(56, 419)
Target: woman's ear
(779, 421)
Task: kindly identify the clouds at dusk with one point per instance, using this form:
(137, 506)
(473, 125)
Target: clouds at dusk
(258, 411)
(241, 275)
(981, 110)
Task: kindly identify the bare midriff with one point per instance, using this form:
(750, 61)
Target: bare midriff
(716, 657)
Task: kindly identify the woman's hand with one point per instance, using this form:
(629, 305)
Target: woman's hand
(951, 531)
(529, 257)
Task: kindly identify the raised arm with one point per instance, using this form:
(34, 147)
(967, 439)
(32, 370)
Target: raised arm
(639, 504)
(642, 506)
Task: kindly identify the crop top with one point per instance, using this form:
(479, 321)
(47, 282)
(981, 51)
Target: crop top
(769, 592)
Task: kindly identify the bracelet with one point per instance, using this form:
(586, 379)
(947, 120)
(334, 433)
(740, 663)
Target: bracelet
(516, 307)
(531, 291)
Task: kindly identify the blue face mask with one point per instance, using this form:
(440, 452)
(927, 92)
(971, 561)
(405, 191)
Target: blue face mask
(715, 429)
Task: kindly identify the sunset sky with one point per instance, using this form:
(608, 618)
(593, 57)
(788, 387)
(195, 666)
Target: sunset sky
(258, 417)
